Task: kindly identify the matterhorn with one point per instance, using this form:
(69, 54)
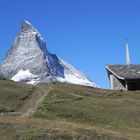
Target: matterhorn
(30, 62)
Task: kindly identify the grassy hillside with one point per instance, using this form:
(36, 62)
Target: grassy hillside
(13, 95)
(69, 112)
(113, 110)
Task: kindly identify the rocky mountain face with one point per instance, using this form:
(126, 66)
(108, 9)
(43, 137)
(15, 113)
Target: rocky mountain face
(29, 61)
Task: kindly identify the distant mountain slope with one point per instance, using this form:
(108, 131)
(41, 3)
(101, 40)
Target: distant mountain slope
(29, 61)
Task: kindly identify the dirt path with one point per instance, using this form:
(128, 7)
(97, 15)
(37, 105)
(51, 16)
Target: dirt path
(36, 99)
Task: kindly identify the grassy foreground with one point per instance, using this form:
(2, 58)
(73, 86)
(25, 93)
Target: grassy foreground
(69, 112)
(15, 128)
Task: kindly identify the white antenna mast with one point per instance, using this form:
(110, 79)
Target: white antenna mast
(128, 62)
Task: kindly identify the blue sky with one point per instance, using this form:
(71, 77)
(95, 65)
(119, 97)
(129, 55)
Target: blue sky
(87, 33)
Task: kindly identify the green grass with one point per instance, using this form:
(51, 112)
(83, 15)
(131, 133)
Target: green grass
(38, 129)
(70, 112)
(115, 110)
(13, 95)
(101, 109)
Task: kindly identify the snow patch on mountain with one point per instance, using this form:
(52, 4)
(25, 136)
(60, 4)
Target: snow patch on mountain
(26, 76)
(73, 75)
(74, 80)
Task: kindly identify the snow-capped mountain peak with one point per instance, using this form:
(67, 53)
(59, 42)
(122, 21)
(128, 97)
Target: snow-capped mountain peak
(29, 61)
(27, 26)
